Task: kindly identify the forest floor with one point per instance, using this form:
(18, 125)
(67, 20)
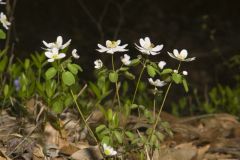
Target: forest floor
(204, 137)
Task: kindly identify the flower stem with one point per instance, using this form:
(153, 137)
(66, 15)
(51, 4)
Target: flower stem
(136, 89)
(84, 120)
(116, 85)
(161, 108)
(154, 104)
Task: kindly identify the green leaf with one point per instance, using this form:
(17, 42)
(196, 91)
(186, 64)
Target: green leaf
(166, 71)
(105, 140)
(130, 135)
(3, 52)
(78, 67)
(68, 100)
(3, 63)
(102, 84)
(50, 88)
(35, 61)
(123, 69)
(40, 88)
(50, 73)
(95, 89)
(57, 106)
(115, 120)
(119, 137)
(129, 75)
(151, 71)
(100, 128)
(2, 34)
(26, 63)
(135, 141)
(6, 90)
(68, 78)
(149, 131)
(135, 62)
(72, 68)
(185, 85)
(109, 114)
(177, 78)
(113, 77)
(153, 139)
(160, 136)
(134, 106)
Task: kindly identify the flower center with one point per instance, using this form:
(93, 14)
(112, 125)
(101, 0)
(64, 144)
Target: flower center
(55, 56)
(113, 44)
(107, 152)
(181, 57)
(150, 47)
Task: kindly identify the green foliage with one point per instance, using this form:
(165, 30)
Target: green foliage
(68, 78)
(219, 99)
(113, 77)
(55, 82)
(50, 73)
(2, 34)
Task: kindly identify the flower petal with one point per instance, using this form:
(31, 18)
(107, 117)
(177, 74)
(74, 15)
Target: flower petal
(154, 53)
(54, 51)
(74, 54)
(171, 55)
(151, 81)
(147, 42)
(108, 43)
(59, 41)
(142, 42)
(50, 60)
(45, 43)
(190, 59)
(61, 55)
(118, 42)
(66, 44)
(183, 53)
(157, 48)
(161, 64)
(48, 54)
(176, 53)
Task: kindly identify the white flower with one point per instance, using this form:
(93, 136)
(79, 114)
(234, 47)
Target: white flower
(112, 47)
(161, 64)
(181, 56)
(185, 73)
(58, 44)
(74, 54)
(53, 55)
(1, 2)
(108, 150)
(156, 83)
(175, 71)
(98, 64)
(126, 59)
(4, 21)
(146, 47)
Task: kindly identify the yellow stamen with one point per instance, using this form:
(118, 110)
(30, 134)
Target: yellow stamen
(113, 44)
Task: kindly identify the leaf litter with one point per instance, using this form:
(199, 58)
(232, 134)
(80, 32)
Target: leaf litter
(204, 137)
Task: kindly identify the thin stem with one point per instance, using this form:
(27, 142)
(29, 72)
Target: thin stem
(154, 103)
(136, 89)
(84, 120)
(161, 108)
(139, 78)
(58, 70)
(116, 84)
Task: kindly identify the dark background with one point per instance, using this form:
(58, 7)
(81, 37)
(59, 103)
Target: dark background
(208, 29)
